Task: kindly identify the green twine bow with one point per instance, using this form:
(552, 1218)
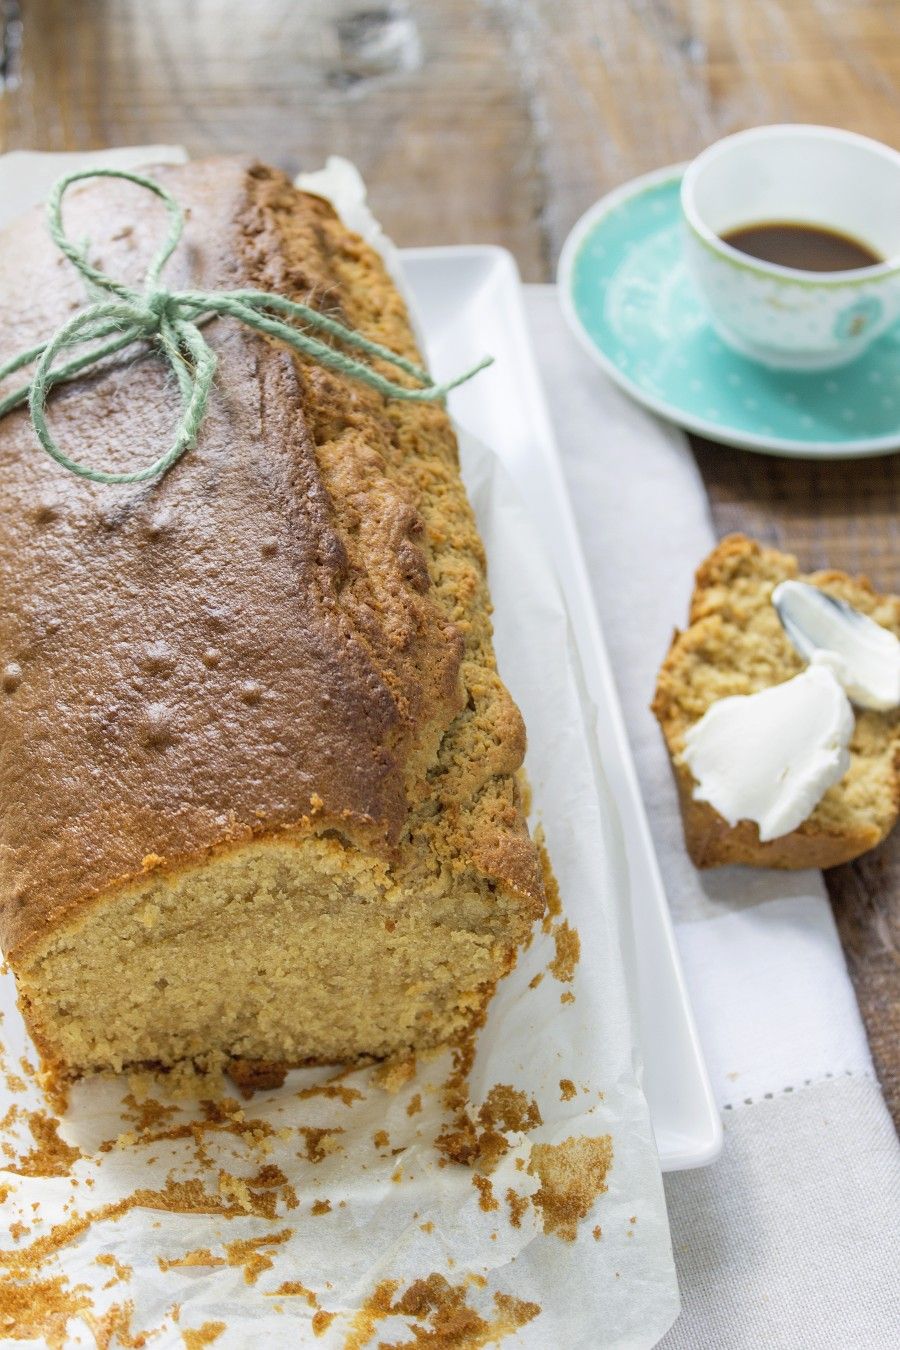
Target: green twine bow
(171, 318)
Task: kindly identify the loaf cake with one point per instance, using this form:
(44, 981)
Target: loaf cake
(259, 794)
(735, 645)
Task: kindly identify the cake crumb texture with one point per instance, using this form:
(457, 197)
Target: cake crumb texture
(572, 1175)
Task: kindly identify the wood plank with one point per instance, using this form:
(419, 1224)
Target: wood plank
(439, 126)
(618, 89)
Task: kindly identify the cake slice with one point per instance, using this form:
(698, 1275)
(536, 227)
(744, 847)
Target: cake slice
(258, 773)
(735, 645)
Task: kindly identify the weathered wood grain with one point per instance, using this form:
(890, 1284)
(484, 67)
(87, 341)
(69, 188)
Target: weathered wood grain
(618, 88)
(442, 133)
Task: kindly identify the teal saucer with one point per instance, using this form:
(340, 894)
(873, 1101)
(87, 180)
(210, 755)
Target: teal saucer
(626, 292)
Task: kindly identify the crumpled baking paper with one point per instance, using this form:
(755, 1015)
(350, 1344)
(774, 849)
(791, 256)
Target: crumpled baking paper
(320, 1213)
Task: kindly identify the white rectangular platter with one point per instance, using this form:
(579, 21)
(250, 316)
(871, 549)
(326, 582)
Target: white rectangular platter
(469, 300)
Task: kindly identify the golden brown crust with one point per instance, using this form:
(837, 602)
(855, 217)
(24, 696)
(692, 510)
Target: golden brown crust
(265, 639)
(735, 645)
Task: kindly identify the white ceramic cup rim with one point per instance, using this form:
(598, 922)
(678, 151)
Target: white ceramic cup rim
(783, 130)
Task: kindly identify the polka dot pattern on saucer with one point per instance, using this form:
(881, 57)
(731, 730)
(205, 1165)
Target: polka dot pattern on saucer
(625, 286)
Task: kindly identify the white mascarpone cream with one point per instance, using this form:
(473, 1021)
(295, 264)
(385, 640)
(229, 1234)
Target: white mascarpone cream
(770, 757)
(866, 656)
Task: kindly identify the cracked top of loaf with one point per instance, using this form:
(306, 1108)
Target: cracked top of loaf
(287, 632)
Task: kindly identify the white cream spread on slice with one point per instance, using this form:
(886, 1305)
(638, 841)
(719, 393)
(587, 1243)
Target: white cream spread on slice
(866, 655)
(770, 757)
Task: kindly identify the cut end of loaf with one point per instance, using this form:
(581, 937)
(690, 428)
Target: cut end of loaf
(288, 952)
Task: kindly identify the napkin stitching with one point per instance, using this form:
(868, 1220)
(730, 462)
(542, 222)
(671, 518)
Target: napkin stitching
(798, 1087)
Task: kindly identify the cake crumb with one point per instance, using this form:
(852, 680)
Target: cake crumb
(568, 952)
(321, 1207)
(394, 1074)
(510, 1109)
(294, 1289)
(245, 1253)
(197, 1256)
(381, 1139)
(51, 1156)
(333, 1090)
(572, 1175)
(236, 1190)
(414, 1105)
(319, 1143)
(113, 1328)
(443, 1314)
(486, 1198)
(203, 1335)
(566, 1089)
(551, 885)
(123, 1272)
(322, 1320)
(255, 1075)
(38, 1310)
(518, 1204)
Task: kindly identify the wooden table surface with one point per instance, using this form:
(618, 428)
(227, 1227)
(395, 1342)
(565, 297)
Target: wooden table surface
(500, 121)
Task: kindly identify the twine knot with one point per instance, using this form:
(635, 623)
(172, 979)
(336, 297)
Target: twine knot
(160, 305)
(121, 316)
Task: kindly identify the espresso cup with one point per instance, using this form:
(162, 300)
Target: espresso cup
(816, 176)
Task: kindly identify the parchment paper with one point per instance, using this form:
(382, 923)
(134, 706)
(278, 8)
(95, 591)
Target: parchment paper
(315, 1202)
